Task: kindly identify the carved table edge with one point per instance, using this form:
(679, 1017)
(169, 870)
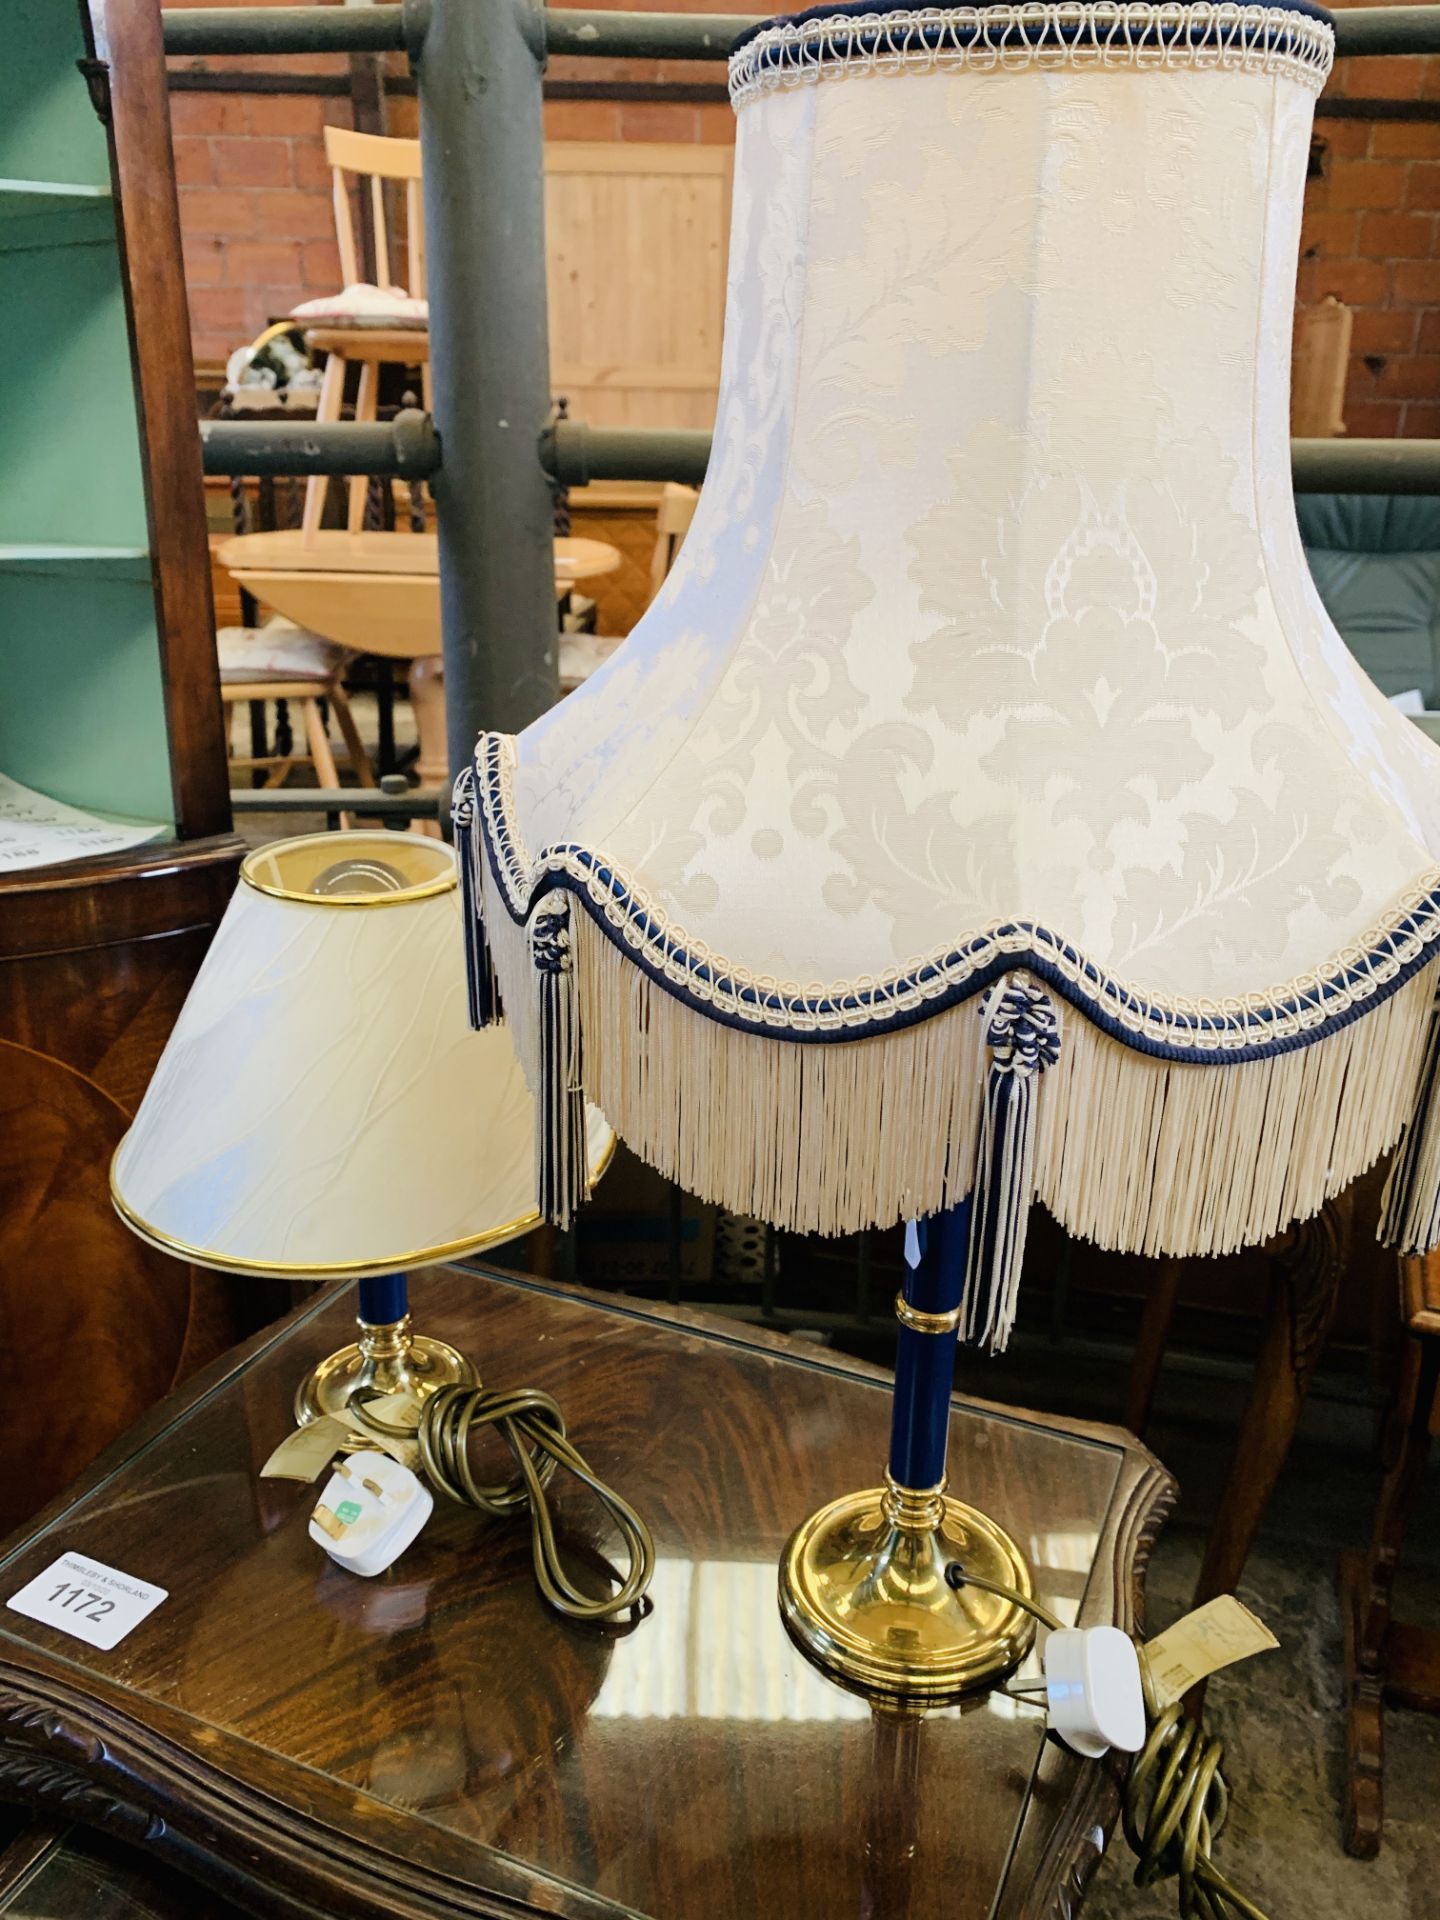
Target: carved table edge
(72, 1754)
(1078, 1842)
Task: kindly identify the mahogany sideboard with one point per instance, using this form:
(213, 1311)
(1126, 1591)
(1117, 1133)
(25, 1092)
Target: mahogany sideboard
(434, 1742)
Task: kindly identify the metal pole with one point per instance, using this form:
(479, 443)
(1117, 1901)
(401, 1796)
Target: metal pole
(575, 454)
(478, 78)
(406, 446)
(1387, 30)
(1366, 466)
(645, 36)
(397, 810)
(198, 31)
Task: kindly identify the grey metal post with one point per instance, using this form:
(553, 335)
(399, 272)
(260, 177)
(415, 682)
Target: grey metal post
(478, 78)
(665, 36)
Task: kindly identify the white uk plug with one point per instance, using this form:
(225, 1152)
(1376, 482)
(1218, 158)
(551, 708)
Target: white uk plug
(1093, 1690)
(371, 1510)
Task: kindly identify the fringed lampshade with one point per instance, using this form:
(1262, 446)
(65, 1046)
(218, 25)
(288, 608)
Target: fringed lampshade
(988, 808)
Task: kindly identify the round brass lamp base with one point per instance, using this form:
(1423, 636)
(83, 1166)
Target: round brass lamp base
(385, 1360)
(863, 1593)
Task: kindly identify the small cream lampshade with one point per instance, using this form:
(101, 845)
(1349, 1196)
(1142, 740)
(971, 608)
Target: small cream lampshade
(323, 1108)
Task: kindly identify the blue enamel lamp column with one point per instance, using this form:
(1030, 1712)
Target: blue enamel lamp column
(387, 1358)
(862, 1582)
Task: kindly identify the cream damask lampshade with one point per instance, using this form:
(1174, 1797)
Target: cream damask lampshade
(988, 807)
(992, 656)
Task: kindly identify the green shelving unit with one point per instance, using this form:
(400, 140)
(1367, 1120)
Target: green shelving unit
(82, 701)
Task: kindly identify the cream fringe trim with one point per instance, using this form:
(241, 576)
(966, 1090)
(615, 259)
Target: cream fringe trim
(1134, 1153)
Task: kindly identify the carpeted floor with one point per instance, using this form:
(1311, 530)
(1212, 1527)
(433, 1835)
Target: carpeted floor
(1280, 1714)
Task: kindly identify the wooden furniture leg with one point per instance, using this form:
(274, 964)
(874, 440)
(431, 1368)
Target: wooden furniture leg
(326, 771)
(366, 403)
(1309, 1265)
(427, 697)
(1384, 1658)
(327, 408)
(350, 734)
(1150, 1343)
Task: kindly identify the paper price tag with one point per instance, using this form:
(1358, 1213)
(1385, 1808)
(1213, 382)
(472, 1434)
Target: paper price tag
(306, 1453)
(1214, 1636)
(88, 1600)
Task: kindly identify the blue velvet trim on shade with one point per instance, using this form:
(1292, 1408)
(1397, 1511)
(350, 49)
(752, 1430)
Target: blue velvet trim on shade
(883, 1008)
(860, 10)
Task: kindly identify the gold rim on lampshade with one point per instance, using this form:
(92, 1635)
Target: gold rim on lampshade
(407, 848)
(338, 1269)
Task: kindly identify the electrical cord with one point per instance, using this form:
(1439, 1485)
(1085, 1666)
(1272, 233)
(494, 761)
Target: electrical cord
(533, 1427)
(1176, 1801)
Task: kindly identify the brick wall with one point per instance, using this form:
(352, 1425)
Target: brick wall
(1370, 238)
(259, 232)
(255, 213)
(255, 216)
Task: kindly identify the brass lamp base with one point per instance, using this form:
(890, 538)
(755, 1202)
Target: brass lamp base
(385, 1360)
(863, 1593)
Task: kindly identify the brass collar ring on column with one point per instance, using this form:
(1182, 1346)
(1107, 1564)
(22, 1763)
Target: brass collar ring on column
(919, 1322)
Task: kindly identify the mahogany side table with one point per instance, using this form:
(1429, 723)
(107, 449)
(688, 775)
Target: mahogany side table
(435, 1742)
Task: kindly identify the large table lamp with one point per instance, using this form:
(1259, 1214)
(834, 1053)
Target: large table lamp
(324, 1110)
(987, 810)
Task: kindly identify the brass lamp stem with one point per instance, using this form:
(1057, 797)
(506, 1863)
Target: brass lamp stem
(388, 1358)
(913, 1509)
(862, 1582)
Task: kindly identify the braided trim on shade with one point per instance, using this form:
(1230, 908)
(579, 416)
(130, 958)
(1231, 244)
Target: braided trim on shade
(1110, 34)
(1294, 1013)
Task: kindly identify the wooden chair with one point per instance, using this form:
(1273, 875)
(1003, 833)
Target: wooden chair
(1389, 1661)
(281, 662)
(672, 522)
(582, 651)
(1322, 363)
(1307, 1264)
(371, 159)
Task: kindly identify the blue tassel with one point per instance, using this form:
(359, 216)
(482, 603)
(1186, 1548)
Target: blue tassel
(482, 988)
(1410, 1209)
(1022, 1031)
(560, 1108)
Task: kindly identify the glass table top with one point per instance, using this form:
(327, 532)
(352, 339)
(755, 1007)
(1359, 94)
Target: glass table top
(690, 1764)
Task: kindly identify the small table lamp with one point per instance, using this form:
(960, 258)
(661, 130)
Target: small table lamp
(987, 809)
(323, 1108)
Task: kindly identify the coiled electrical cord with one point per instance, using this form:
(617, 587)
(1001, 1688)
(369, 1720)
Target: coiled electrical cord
(533, 1427)
(1176, 1800)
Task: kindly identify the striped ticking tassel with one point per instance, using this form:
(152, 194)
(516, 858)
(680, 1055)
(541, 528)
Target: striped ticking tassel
(1022, 1031)
(560, 1108)
(481, 987)
(1410, 1210)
